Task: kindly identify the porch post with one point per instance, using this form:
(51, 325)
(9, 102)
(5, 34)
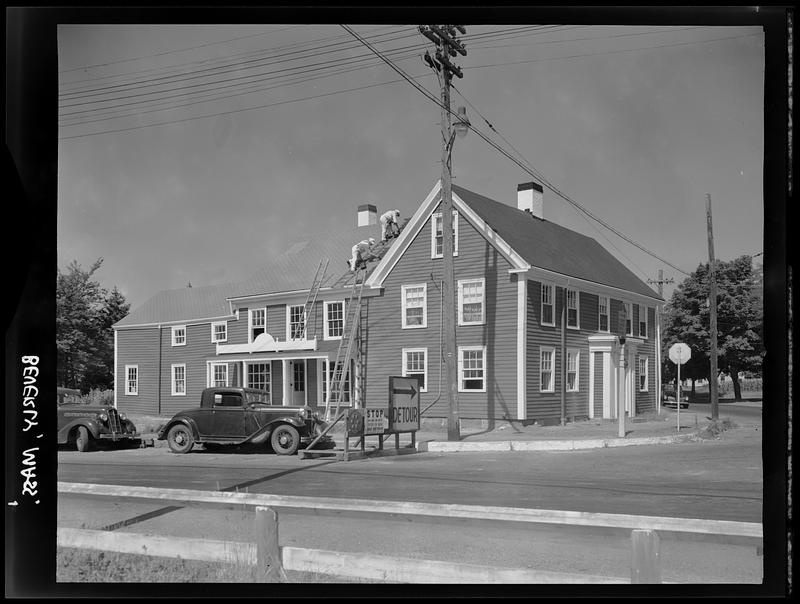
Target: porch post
(287, 389)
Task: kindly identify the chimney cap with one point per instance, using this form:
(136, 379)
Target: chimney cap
(368, 207)
(530, 185)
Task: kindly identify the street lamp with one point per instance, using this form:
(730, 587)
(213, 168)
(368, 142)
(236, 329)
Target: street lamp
(462, 125)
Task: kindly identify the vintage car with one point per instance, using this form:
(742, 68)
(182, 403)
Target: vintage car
(83, 426)
(241, 416)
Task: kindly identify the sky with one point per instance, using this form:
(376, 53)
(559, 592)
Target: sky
(194, 153)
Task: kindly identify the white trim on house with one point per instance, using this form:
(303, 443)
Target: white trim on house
(484, 368)
(437, 216)
(128, 391)
(577, 292)
(404, 305)
(214, 325)
(552, 371)
(460, 288)
(605, 344)
(325, 322)
(116, 369)
(552, 288)
(404, 368)
(175, 331)
(266, 343)
(172, 379)
(577, 354)
(522, 340)
(187, 322)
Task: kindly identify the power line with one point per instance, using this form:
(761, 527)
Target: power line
(516, 161)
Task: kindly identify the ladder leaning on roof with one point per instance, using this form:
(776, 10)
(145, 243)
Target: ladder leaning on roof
(341, 366)
(311, 298)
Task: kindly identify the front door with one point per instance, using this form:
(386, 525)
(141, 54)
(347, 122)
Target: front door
(297, 381)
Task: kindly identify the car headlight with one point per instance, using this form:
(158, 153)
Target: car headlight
(123, 417)
(103, 416)
(303, 413)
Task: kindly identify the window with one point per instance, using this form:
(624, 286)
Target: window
(258, 322)
(415, 311)
(436, 235)
(296, 322)
(602, 311)
(334, 320)
(219, 331)
(642, 321)
(179, 380)
(573, 357)
(546, 358)
(471, 302)
(547, 304)
(218, 374)
(258, 376)
(642, 374)
(471, 369)
(628, 318)
(572, 308)
(131, 380)
(335, 374)
(179, 335)
(415, 364)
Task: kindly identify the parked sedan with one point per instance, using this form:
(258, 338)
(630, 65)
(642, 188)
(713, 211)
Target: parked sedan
(85, 425)
(237, 416)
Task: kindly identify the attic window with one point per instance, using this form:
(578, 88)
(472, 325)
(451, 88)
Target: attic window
(436, 235)
(179, 335)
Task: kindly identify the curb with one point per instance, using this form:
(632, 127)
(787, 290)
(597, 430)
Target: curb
(545, 445)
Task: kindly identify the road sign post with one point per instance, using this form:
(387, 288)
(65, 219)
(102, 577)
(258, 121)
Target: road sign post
(679, 353)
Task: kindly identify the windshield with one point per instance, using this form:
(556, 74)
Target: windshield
(253, 396)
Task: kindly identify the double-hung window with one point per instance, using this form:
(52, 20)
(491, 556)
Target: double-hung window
(546, 364)
(573, 357)
(602, 313)
(131, 380)
(471, 301)
(295, 322)
(572, 308)
(414, 303)
(334, 320)
(179, 335)
(258, 322)
(642, 374)
(219, 331)
(642, 321)
(472, 369)
(628, 318)
(179, 379)
(436, 235)
(415, 364)
(218, 374)
(548, 304)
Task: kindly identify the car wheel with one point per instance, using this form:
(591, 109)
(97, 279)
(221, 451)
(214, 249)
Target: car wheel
(285, 440)
(82, 439)
(180, 439)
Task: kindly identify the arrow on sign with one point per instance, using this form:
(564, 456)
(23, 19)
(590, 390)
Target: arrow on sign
(412, 391)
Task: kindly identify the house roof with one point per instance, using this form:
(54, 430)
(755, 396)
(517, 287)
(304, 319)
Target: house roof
(544, 244)
(186, 304)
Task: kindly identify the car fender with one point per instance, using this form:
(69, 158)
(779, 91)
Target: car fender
(186, 421)
(263, 433)
(91, 425)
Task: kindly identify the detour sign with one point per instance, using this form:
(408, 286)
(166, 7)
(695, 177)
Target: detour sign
(403, 404)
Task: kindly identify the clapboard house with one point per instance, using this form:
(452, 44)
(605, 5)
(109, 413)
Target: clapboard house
(538, 311)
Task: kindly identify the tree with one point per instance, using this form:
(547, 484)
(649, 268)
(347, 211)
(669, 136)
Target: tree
(85, 313)
(739, 321)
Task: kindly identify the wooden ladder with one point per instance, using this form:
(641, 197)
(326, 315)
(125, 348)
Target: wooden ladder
(311, 298)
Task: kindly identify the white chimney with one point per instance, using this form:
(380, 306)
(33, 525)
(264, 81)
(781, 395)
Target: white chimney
(530, 198)
(367, 215)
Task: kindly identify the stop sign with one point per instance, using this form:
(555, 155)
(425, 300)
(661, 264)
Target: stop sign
(679, 353)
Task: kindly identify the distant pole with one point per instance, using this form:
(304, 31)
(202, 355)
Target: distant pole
(712, 302)
(659, 326)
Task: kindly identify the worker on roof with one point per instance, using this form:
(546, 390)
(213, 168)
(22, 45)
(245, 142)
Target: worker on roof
(359, 259)
(390, 224)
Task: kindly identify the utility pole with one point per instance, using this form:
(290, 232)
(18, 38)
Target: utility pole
(444, 36)
(712, 302)
(660, 282)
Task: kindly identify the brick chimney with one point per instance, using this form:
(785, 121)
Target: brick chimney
(367, 215)
(530, 198)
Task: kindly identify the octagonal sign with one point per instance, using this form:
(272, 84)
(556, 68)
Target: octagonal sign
(679, 353)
